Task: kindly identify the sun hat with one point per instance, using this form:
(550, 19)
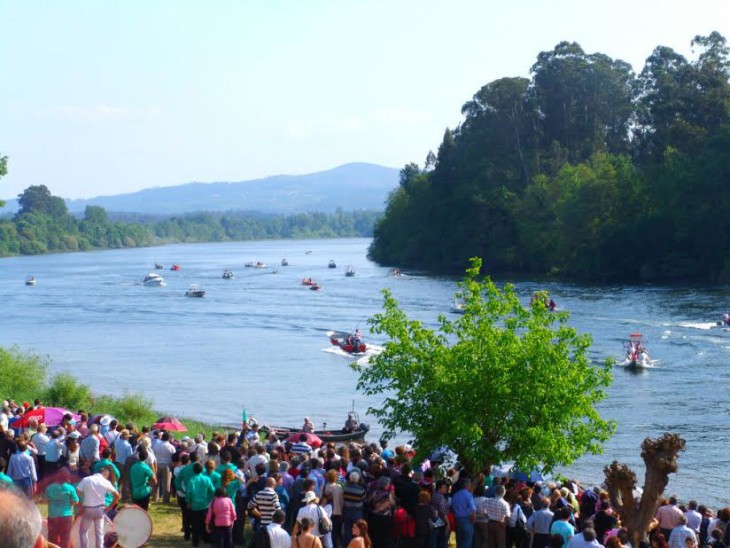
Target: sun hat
(310, 496)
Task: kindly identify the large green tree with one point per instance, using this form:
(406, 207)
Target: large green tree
(500, 383)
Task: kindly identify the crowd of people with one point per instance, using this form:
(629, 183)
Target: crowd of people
(251, 488)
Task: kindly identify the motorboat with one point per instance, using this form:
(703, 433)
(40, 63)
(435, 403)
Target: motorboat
(307, 252)
(348, 342)
(350, 272)
(395, 273)
(153, 280)
(30, 280)
(308, 281)
(259, 264)
(176, 267)
(227, 275)
(315, 287)
(158, 266)
(284, 262)
(332, 264)
(459, 307)
(637, 355)
(249, 264)
(194, 291)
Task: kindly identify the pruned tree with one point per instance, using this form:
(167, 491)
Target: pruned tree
(660, 457)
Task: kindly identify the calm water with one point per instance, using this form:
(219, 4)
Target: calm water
(258, 340)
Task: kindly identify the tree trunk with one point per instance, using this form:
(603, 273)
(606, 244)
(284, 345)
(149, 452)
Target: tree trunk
(660, 457)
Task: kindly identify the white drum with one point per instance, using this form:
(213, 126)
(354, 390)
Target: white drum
(134, 527)
(76, 530)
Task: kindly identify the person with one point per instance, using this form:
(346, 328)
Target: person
(356, 340)
(381, 505)
(21, 468)
(302, 536)
(351, 424)
(267, 502)
(141, 479)
(40, 441)
(498, 512)
(198, 495)
(668, 516)
(681, 533)
(20, 521)
(164, 450)
(61, 497)
(308, 426)
(552, 305)
(360, 538)
(726, 318)
(278, 537)
(333, 491)
(111, 540)
(92, 490)
(221, 517)
(462, 504)
(561, 525)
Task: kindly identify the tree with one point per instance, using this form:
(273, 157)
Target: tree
(38, 199)
(3, 171)
(466, 386)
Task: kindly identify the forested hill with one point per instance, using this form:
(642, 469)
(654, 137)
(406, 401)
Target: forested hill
(585, 170)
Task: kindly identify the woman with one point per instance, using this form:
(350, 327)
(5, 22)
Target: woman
(381, 507)
(71, 452)
(302, 536)
(482, 519)
(221, 517)
(424, 513)
(61, 497)
(360, 538)
(230, 483)
(334, 492)
(517, 524)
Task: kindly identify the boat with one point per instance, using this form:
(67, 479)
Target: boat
(459, 307)
(283, 432)
(158, 266)
(308, 281)
(637, 355)
(395, 273)
(259, 264)
(176, 267)
(30, 280)
(194, 291)
(348, 342)
(315, 286)
(332, 264)
(153, 280)
(227, 275)
(307, 252)
(284, 262)
(350, 271)
(249, 264)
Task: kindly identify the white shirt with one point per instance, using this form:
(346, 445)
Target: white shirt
(277, 536)
(93, 489)
(164, 452)
(40, 440)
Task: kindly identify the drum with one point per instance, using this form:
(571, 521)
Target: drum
(134, 527)
(76, 529)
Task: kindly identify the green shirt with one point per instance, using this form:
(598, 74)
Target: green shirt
(232, 488)
(182, 477)
(139, 475)
(61, 498)
(4, 478)
(199, 492)
(215, 478)
(223, 467)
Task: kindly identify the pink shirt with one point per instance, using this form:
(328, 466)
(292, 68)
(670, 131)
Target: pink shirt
(224, 511)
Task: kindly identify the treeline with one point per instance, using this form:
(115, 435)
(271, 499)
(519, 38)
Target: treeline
(43, 224)
(585, 170)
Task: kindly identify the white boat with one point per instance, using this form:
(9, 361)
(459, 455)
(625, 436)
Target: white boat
(350, 271)
(637, 355)
(259, 264)
(284, 262)
(227, 275)
(153, 280)
(459, 307)
(30, 280)
(194, 291)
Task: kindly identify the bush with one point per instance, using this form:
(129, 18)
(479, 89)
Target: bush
(22, 375)
(65, 390)
(127, 408)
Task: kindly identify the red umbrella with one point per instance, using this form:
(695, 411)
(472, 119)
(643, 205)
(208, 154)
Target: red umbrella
(171, 424)
(312, 439)
(50, 416)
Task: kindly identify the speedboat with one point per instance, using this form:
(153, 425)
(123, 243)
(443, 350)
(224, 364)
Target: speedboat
(350, 271)
(347, 342)
(30, 280)
(637, 355)
(332, 264)
(259, 264)
(284, 262)
(249, 264)
(153, 280)
(308, 281)
(194, 291)
(459, 307)
(176, 267)
(395, 273)
(158, 266)
(227, 275)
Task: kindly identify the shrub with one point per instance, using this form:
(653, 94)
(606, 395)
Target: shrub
(22, 374)
(65, 390)
(127, 408)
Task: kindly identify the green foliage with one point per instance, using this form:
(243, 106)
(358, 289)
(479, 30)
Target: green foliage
(133, 407)
(3, 171)
(67, 391)
(471, 385)
(23, 375)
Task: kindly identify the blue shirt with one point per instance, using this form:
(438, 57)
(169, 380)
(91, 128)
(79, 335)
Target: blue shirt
(462, 503)
(123, 451)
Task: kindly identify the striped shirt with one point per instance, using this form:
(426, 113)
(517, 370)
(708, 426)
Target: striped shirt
(267, 502)
(353, 496)
(301, 448)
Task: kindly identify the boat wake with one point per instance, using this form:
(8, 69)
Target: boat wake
(363, 358)
(699, 325)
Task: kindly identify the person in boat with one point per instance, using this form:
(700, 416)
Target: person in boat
(356, 340)
(308, 425)
(351, 424)
(552, 305)
(725, 317)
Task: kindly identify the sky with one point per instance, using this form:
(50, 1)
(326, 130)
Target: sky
(103, 98)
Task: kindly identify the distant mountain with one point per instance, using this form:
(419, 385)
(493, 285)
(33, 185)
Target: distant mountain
(350, 186)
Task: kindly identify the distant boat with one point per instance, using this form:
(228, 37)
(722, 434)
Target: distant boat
(194, 291)
(332, 264)
(158, 266)
(30, 280)
(350, 271)
(249, 264)
(307, 252)
(315, 286)
(153, 280)
(227, 275)
(259, 264)
(284, 262)
(176, 267)
(459, 307)
(308, 281)
(396, 272)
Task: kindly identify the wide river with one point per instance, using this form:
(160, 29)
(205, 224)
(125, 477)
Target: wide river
(259, 340)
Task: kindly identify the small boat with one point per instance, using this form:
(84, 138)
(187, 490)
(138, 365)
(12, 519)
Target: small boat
(283, 432)
(259, 264)
(284, 262)
(308, 281)
(249, 264)
(275, 271)
(332, 264)
(176, 267)
(227, 275)
(153, 280)
(349, 342)
(307, 252)
(158, 266)
(350, 271)
(395, 273)
(637, 355)
(194, 291)
(30, 280)
(315, 287)
(459, 307)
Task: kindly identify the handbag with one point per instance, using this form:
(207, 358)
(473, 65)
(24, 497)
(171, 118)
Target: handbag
(324, 525)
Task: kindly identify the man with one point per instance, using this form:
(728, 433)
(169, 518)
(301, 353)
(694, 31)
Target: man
(93, 490)
(694, 518)
(21, 468)
(141, 479)
(198, 495)
(562, 527)
(301, 447)
(259, 457)
(353, 497)
(539, 524)
(122, 451)
(440, 508)
(585, 539)
(462, 504)
(308, 426)
(164, 450)
(89, 448)
(668, 516)
(681, 533)
(498, 512)
(385, 453)
(40, 440)
(200, 447)
(267, 502)
(351, 424)
(278, 537)
(20, 521)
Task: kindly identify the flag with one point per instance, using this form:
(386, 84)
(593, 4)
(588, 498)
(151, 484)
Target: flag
(244, 418)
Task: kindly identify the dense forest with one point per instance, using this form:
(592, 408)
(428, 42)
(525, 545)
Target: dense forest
(43, 224)
(585, 170)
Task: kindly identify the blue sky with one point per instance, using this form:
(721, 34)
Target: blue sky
(101, 98)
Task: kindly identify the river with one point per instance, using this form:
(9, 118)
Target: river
(259, 340)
